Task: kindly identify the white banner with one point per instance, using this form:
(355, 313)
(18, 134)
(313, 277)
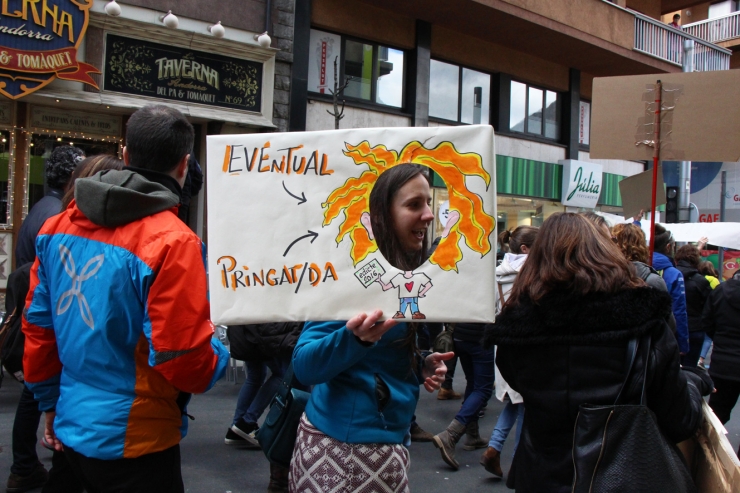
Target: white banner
(289, 239)
(581, 183)
(726, 235)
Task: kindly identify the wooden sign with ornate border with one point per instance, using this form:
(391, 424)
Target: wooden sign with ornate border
(38, 43)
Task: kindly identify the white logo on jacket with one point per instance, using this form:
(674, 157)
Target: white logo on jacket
(90, 269)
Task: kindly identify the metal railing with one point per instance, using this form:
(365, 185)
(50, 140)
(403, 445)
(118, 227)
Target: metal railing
(666, 43)
(723, 28)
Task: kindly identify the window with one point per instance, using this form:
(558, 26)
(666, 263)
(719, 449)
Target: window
(458, 94)
(584, 123)
(534, 111)
(376, 71)
(5, 178)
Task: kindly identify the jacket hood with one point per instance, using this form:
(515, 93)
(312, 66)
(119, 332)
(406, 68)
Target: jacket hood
(511, 264)
(643, 270)
(686, 268)
(568, 318)
(113, 198)
(731, 288)
(661, 261)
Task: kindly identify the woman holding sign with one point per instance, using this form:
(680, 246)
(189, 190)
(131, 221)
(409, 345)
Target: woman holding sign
(366, 372)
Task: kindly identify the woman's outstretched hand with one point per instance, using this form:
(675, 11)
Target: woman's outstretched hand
(435, 369)
(367, 328)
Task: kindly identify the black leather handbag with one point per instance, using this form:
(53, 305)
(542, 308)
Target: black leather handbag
(278, 433)
(621, 448)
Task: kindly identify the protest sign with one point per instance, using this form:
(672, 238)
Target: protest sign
(289, 235)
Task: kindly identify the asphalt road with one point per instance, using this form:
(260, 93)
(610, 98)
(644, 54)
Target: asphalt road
(211, 466)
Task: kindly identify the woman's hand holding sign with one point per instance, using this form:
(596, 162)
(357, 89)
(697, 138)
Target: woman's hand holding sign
(367, 328)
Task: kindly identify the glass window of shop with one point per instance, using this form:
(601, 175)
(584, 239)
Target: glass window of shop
(5, 177)
(458, 94)
(375, 72)
(40, 150)
(534, 111)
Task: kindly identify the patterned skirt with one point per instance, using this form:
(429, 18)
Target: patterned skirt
(322, 464)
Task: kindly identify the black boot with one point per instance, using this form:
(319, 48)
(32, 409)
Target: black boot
(278, 479)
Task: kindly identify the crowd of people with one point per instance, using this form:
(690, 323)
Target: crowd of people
(572, 298)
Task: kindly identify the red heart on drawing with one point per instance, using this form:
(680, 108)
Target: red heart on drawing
(409, 285)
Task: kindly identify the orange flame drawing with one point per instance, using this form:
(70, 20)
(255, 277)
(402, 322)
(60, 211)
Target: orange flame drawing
(353, 198)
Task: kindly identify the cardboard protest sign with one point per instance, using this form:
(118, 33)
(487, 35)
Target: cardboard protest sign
(700, 115)
(637, 194)
(289, 236)
(716, 467)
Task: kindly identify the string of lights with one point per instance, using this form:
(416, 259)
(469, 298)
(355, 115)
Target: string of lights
(61, 136)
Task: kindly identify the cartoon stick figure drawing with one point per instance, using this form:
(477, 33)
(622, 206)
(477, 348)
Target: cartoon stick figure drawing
(411, 286)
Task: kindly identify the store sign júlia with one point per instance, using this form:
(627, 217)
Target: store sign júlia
(581, 183)
(38, 43)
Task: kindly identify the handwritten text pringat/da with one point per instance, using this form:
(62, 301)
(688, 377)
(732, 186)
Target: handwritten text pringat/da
(233, 278)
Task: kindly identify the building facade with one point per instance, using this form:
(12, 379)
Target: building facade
(526, 68)
(225, 80)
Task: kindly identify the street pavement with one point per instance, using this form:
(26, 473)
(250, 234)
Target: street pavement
(210, 466)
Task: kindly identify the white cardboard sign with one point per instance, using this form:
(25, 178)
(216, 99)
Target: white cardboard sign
(285, 236)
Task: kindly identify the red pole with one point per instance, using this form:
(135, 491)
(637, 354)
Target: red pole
(656, 160)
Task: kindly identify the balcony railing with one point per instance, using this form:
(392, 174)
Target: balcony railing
(717, 29)
(666, 43)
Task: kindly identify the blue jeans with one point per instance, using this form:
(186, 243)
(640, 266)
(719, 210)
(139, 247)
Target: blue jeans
(477, 363)
(413, 302)
(256, 393)
(696, 342)
(509, 416)
(705, 347)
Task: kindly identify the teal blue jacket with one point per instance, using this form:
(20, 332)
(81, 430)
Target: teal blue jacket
(361, 394)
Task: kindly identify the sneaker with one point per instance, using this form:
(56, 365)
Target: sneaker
(234, 439)
(247, 431)
(19, 484)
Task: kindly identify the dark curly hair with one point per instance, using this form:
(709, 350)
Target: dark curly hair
(631, 241)
(61, 164)
(690, 254)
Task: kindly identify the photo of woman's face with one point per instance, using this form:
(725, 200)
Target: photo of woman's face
(411, 213)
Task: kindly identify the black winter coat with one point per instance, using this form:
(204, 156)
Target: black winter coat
(722, 322)
(697, 290)
(569, 350)
(259, 342)
(469, 332)
(49, 205)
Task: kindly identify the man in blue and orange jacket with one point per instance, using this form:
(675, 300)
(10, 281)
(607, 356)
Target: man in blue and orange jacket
(117, 317)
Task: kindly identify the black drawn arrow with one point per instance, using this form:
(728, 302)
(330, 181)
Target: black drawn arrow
(300, 199)
(310, 233)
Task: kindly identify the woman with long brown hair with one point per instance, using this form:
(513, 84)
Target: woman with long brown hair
(87, 168)
(366, 372)
(562, 341)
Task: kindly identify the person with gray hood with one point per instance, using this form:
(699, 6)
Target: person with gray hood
(117, 322)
